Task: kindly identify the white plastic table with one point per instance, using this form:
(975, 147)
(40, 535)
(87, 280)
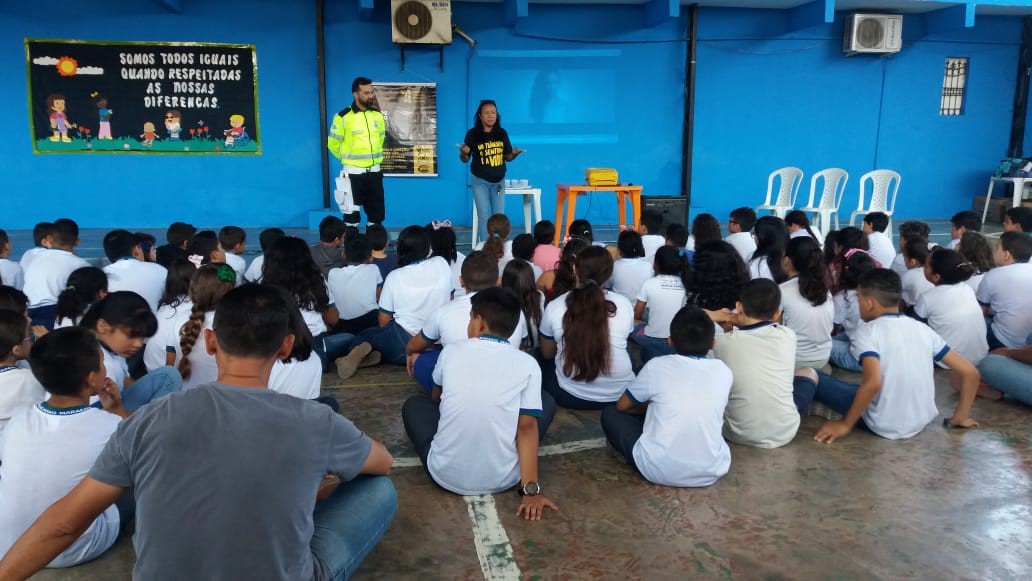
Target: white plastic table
(529, 195)
(1019, 189)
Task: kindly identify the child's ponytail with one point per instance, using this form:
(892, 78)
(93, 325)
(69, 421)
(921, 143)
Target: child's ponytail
(950, 265)
(586, 347)
(498, 227)
(207, 287)
(566, 268)
(84, 287)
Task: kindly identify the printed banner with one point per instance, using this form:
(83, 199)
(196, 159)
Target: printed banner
(142, 97)
(410, 110)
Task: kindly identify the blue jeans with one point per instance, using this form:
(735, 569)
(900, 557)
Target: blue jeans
(650, 346)
(350, 523)
(1010, 376)
(330, 347)
(423, 370)
(390, 341)
(841, 356)
(158, 383)
(489, 200)
(835, 393)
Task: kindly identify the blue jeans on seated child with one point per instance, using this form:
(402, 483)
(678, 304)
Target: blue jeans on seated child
(423, 369)
(390, 341)
(650, 346)
(1010, 376)
(156, 384)
(563, 398)
(330, 347)
(841, 356)
(349, 523)
(837, 394)
(44, 316)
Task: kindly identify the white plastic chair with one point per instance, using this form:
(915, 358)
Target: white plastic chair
(884, 185)
(791, 179)
(831, 197)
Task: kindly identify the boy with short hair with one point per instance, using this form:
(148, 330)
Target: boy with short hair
(178, 235)
(767, 396)
(678, 237)
(740, 226)
(380, 239)
(47, 274)
(355, 287)
(896, 397)
(914, 281)
(909, 230)
(10, 271)
(1004, 292)
(670, 430)
(234, 241)
(483, 438)
(448, 324)
(18, 388)
(47, 448)
(875, 225)
(129, 271)
(326, 252)
(265, 240)
(42, 238)
(966, 221)
(1018, 219)
(651, 233)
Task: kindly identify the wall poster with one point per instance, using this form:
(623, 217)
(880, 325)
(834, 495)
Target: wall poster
(410, 110)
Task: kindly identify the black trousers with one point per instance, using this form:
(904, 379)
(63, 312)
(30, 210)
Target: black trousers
(622, 431)
(367, 190)
(550, 384)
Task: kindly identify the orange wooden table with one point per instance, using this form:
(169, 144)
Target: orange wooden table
(567, 196)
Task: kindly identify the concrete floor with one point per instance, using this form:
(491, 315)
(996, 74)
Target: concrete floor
(945, 504)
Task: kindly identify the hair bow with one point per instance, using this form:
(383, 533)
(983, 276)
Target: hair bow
(853, 251)
(196, 260)
(226, 273)
(438, 224)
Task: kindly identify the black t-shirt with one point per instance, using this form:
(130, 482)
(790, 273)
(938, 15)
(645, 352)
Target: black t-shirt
(487, 153)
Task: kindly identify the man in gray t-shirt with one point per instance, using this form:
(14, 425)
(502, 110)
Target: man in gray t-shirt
(226, 475)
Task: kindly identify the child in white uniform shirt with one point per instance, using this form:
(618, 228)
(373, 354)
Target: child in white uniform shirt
(518, 277)
(18, 388)
(740, 226)
(443, 244)
(974, 247)
(651, 230)
(355, 287)
(265, 239)
(799, 225)
(855, 264)
(880, 244)
(585, 364)
(129, 271)
(86, 286)
(47, 275)
(233, 240)
(631, 270)
(668, 422)
(806, 305)
(483, 438)
(767, 396)
(10, 271)
(950, 307)
(663, 296)
(42, 238)
(1004, 292)
(909, 230)
(914, 282)
(48, 447)
(174, 299)
(962, 223)
(771, 236)
(896, 397)
(185, 342)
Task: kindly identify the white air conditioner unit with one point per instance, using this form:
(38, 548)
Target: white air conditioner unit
(421, 22)
(873, 33)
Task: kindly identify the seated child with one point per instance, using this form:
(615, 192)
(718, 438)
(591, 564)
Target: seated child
(122, 321)
(664, 296)
(962, 222)
(523, 247)
(175, 300)
(847, 320)
(561, 279)
(631, 270)
(443, 244)
(580, 228)
(205, 249)
(447, 324)
(546, 253)
(10, 271)
(896, 397)
(18, 388)
(300, 374)
(42, 238)
(651, 230)
(47, 275)
(740, 226)
(483, 438)
(380, 238)
(48, 447)
(909, 230)
(147, 244)
(234, 241)
(677, 236)
(799, 225)
(767, 396)
(771, 235)
(718, 274)
(950, 307)
(1018, 219)
(1008, 372)
(879, 243)
(806, 304)
(86, 286)
(914, 282)
(178, 236)
(129, 270)
(974, 247)
(326, 253)
(265, 239)
(668, 423)
(518, 277)
(1004, 292)
(497, 242)
(705, 228)
(355, 287)
(185, 342)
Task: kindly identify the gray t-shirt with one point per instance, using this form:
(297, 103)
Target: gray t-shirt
(225, 481)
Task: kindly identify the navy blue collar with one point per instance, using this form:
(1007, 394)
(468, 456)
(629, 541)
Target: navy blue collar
(891, 315)
(693, 356)
(756, 325)
(493, 338)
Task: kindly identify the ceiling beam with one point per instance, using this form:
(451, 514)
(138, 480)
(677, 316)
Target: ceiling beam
(815, 13)
(515, 10)
(949, 19)
(365, 9)
(659, 11)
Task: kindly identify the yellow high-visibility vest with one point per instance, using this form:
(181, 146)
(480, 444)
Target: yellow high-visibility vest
(356, 137)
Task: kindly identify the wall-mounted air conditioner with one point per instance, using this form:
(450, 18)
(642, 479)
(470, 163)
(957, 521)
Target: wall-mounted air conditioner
(873, 33)
(421, 22)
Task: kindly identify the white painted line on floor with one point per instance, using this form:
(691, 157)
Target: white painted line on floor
(550, 450)
(493, 549)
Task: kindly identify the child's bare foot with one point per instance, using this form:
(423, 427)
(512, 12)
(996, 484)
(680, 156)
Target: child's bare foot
(987, 392)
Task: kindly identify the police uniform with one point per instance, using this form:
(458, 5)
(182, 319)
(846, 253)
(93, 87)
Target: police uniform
(356, 139)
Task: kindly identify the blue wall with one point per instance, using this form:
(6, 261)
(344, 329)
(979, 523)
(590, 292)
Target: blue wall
(765, 98)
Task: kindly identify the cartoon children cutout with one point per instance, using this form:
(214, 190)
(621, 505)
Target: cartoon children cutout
(237, 134)
(104, 132)
(174, 124)
(149, 135)
(59, 123)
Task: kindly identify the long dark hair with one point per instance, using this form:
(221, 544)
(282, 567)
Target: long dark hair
(705, 228)
(950, 265)
(565, 269)
(586, 348)
(771, 238)
(177, 283)
(975, 248)
(719, 276)
(289, 265)
(442, 241)
(670, 261)
(413, 245)
(82, 290)
(807, 259)
(518, 276)
(478, 125)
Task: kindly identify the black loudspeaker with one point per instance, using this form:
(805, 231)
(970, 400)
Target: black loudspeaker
(673, 208)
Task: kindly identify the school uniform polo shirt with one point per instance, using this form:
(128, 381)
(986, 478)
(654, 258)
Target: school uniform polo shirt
(146, 279)
(410, 293)
(914, 285)
(743, 243)
(953, 312)
(812, 325)
(881, 248)
(47, 275)
(11, 274)
(628, 276)
(353, 288)
(238, 264)
(664, 295)
(1008, 292)
(449, 324)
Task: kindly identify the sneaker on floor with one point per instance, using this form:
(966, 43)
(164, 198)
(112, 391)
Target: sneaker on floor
(373, 358)
(821, 410)
(348, 364)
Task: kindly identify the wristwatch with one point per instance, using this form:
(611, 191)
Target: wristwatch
(530, 489)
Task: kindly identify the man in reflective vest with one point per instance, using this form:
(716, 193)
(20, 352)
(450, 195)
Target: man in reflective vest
(356, 139)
